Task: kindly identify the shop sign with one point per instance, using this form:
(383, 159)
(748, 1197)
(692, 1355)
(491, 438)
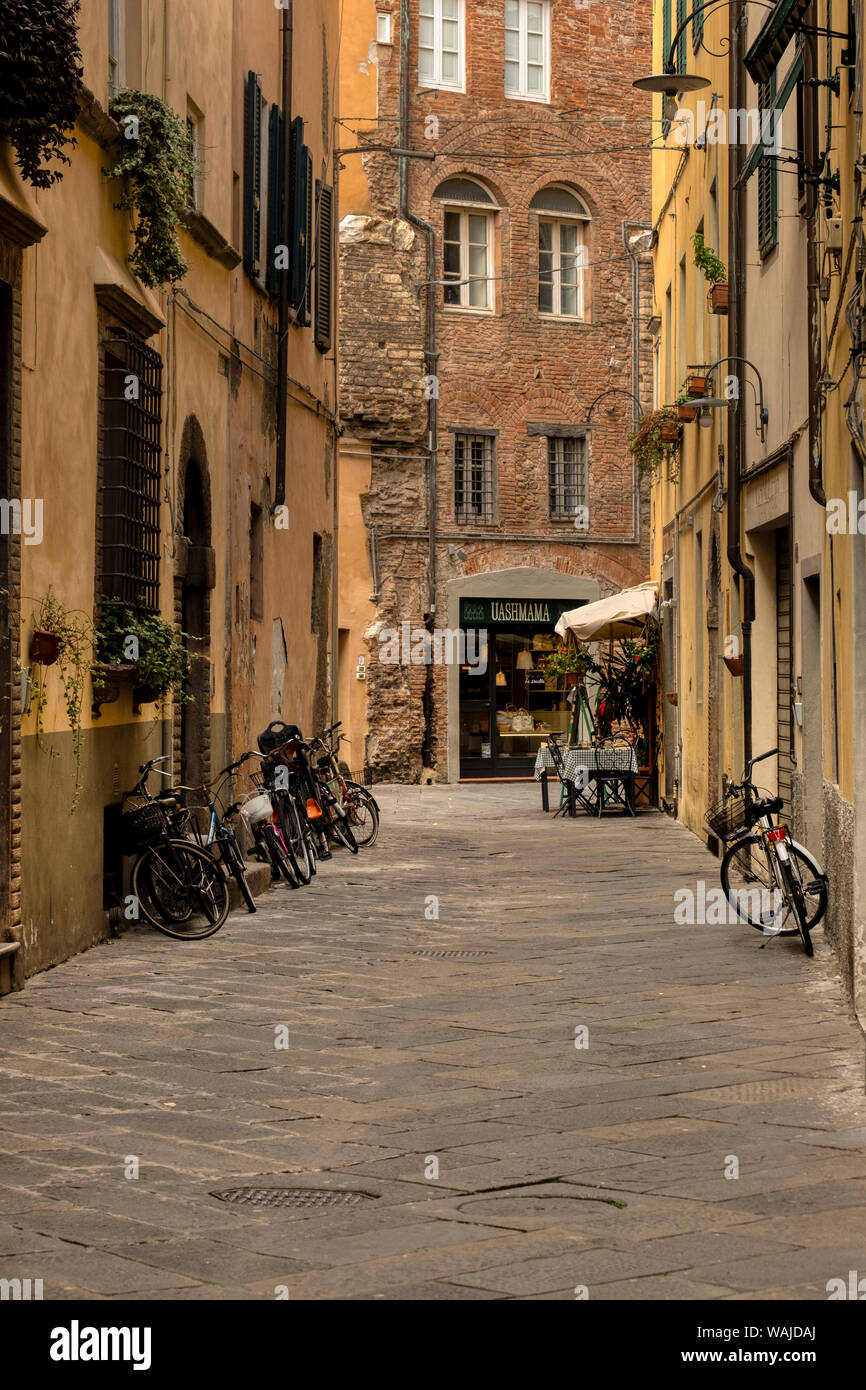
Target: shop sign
(515, 612)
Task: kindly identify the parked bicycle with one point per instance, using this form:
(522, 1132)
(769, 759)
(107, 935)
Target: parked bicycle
(219, 835)
(359, 805)
(306, 807)
(786, 890)
(178, 885)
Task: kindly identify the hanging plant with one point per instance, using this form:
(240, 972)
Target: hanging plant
(75, 638)
(625, 681)
(154, 647)
(656, 437)
(40, 79)
(156, 158)
(568, 660)
(707, 262)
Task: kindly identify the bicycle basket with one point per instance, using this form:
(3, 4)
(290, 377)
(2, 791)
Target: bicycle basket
(142, 825)
(728, 820)
(256, 809)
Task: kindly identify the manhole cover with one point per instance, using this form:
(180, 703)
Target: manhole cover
(452, 955)
(293, 1196)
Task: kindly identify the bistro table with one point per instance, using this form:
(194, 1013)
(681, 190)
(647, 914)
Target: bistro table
(598, 764)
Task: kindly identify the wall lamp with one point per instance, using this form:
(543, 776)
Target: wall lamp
(613, 391)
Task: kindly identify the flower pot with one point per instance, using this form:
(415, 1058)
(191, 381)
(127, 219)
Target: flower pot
(571, 678)
(669, 431)
(696, 385)
(687, 412)
(672, 696)
(734, 664)
(719, 298)
(44, 647)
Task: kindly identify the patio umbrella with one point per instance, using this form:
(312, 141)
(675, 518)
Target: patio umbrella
(622, 615)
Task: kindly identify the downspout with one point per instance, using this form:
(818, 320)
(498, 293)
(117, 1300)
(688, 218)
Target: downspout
(736, 347)
(635, 352)
(428, 756)
(813, 300)
(286, 238)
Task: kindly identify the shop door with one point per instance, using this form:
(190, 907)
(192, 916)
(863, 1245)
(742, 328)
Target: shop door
(510, 709)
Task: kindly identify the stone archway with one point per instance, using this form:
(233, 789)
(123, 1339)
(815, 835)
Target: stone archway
(194, 579)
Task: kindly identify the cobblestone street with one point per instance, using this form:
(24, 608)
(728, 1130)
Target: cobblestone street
(418, 1045)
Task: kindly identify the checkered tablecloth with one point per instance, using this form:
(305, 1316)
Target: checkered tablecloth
(593, 759)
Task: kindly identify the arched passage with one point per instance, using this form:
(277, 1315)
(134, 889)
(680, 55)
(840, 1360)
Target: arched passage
(194, 581)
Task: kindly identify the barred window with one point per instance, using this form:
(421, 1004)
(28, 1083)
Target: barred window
(473, 477)
(566, 462)
(128, 562)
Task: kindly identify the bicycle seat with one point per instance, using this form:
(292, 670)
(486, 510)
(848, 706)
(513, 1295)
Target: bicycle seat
(764, 806)
(168, 802)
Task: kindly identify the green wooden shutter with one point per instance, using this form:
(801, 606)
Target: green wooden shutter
(666, 44)
(768, 178)
(324, 265)
(276, 189)
(304, 310)
(682, 47)
(252, 175)
(299, 172)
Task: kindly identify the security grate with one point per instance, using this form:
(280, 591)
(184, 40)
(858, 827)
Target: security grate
(473, 477)
(451, 955)
(293, 1196)
(566, 462)
(129, 559)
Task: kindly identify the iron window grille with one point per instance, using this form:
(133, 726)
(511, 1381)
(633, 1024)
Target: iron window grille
(566, 463)
(473, 477)
(130, 476)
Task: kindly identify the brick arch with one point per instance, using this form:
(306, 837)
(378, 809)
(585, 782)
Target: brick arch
(571, 184)
(467, 169)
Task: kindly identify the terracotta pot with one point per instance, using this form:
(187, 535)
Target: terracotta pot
(686, 412)
(719, 298)
(672, 696)
(696, 385)
(670, 431)
(571, 677)
(734, 664)
(44, 647)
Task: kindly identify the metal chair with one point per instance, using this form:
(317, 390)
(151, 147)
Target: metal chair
(614, 787)
(571, 791)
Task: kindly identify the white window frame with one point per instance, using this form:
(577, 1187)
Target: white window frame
(465, 211)
(116, 46)
(558, 221)
(522, 92)
(436, 79)
(383, 26)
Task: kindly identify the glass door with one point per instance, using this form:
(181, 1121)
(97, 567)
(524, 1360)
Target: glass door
(508, 711)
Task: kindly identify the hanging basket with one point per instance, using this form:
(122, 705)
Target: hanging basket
(687, 412)
(734, 664)
(719, 298)
(44, 647)
(696, 385)
(669, 431)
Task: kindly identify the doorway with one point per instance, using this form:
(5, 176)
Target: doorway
(508, 705)
(195, 622)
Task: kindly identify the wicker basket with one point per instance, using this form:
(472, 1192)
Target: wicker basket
(727, 820)
(142, 825)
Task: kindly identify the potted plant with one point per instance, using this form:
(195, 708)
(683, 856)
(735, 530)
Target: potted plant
(698, 382)
(734, 664)
(73, 636)
(658, 434)
(144, 650)
(571, 663)
(714, 272)
(44, 647)
(684, 410)
(42, 83)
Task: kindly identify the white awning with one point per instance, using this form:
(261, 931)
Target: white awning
(622, 615)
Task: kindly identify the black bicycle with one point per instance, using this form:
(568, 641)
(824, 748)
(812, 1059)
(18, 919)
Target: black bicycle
(219, 835)
(176, 884)
(772, 882)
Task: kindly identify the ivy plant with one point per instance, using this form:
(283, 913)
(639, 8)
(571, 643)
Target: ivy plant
(75, 657)
(646, 444)
(155, 157)
(41, 74)
(707, 262)
(155, 647)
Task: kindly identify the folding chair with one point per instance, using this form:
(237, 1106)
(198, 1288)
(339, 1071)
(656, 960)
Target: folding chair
(613, 786)
(570, 792)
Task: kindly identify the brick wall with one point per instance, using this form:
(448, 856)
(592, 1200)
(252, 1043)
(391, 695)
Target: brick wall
(503, 370)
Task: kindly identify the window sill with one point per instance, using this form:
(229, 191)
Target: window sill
(521, 96)
(430, 86)
(563, 318)
(458, 310)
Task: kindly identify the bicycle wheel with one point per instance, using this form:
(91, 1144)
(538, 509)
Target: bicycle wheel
(177, 876)
(342, 831)
(363, 814)
(293, 839)
(797, 899)
(276, 852)
(234, 863)
(751, 888)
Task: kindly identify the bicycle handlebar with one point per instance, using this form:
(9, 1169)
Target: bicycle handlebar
(759, 759)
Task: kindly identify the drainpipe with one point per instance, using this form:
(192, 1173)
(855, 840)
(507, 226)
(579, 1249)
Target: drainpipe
(813, 274)
(736, 349)
(432, 361)
(635, 351)
(286, 238)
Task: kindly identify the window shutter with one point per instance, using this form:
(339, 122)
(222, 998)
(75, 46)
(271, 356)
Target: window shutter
(304, 309)
(252, 175)
(666, 46)
(324, 265)
(276, 190)
(299, 172)
(768, 187)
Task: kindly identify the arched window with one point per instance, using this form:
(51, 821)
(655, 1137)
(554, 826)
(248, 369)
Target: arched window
(467, 242)
(562, 252)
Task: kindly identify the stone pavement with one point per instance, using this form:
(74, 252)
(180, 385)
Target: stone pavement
(418, 1046)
